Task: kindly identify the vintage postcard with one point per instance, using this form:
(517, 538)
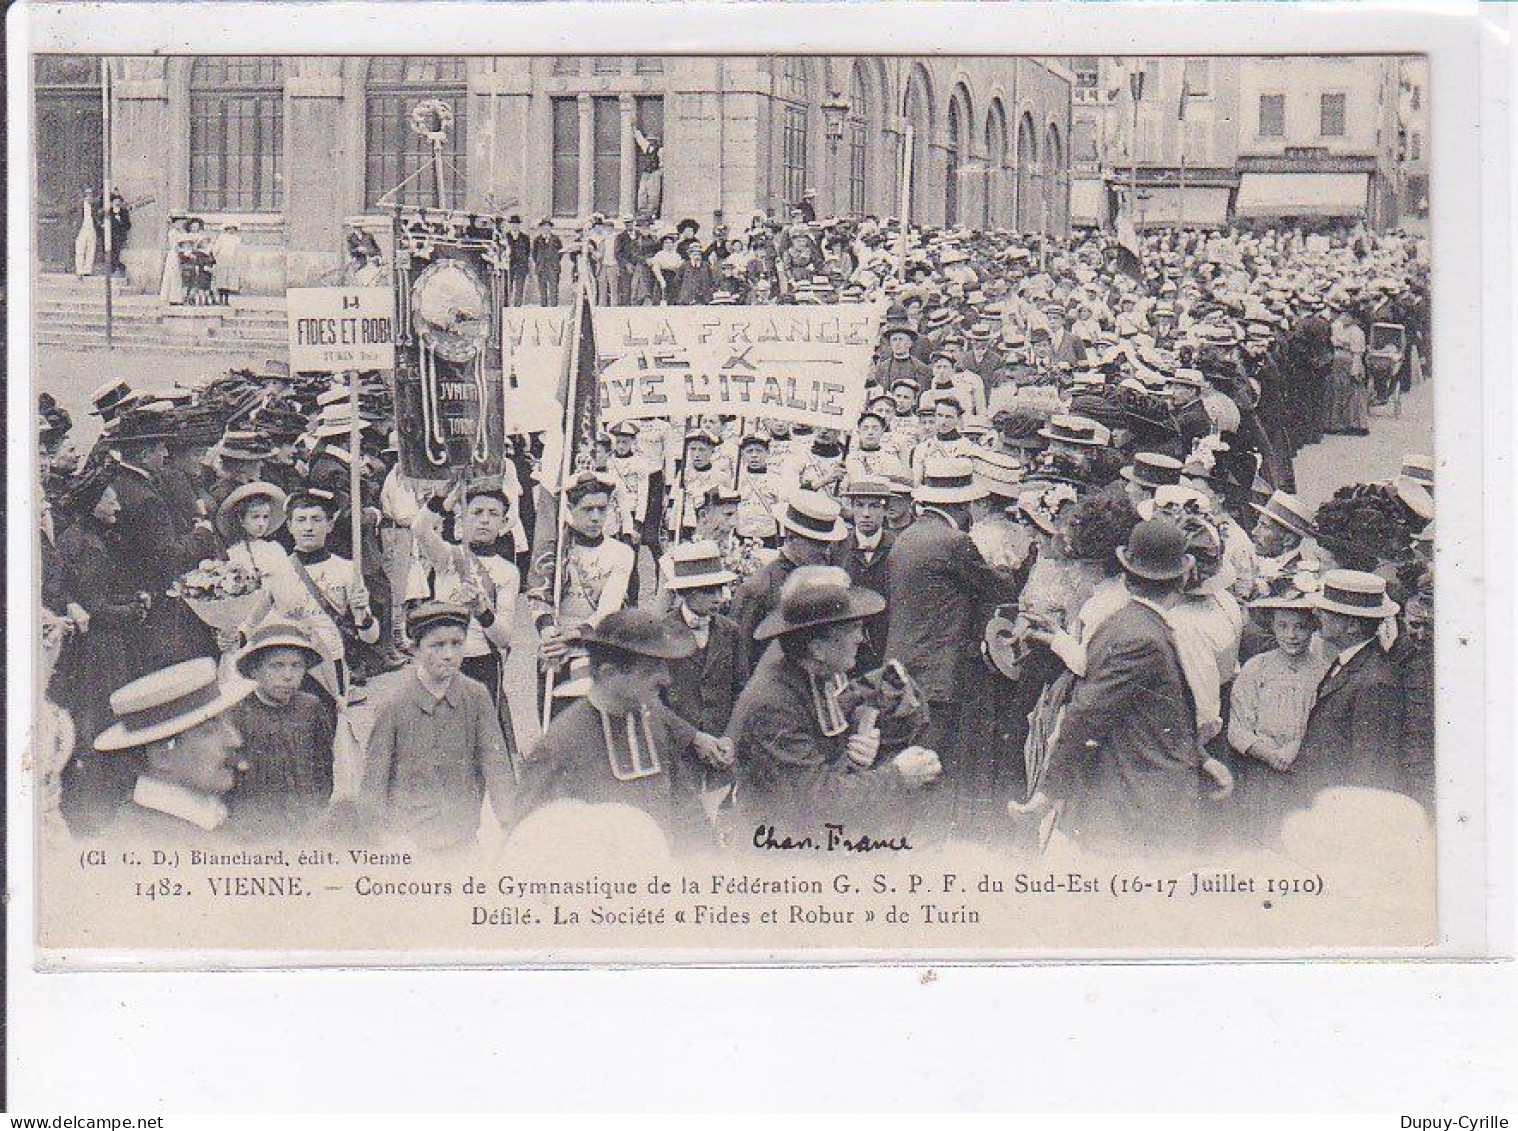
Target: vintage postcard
(724, 506)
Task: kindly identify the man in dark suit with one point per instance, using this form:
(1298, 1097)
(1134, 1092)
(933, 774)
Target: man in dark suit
(938, 586)
(1353, 733)
(1126, 758)
(1064, 347)
(810, 527)
(547, 249)
(981, 356)
(866, 555)
(519, 261)
(705, 685)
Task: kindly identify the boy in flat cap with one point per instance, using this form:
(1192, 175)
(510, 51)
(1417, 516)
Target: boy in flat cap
(437, 749)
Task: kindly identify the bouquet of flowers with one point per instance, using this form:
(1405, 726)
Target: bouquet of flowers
(221, 594)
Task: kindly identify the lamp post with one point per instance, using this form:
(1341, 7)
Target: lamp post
(1136, 89)
(835, 116)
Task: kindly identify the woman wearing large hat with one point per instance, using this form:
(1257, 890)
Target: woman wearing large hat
(809, 747)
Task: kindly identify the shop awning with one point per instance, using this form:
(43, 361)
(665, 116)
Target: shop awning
(1303, 194)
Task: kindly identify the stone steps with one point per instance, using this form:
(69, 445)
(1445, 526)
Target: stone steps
(70, 312)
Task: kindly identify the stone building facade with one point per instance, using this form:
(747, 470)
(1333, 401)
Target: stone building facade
(292, 149)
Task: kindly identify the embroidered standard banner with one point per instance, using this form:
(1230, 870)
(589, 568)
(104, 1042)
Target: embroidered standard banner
(337, 328)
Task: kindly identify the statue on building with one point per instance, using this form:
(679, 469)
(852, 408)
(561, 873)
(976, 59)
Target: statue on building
(650, 173)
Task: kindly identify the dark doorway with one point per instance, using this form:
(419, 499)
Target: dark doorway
(68, 153)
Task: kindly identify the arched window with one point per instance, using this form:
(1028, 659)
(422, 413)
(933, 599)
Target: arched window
(991, 210)
(859, 135)
(919, 113)
(954, 165)
(1054, 183)
(1027, 158)
(795, 89)
(237, 133)
(393, 151)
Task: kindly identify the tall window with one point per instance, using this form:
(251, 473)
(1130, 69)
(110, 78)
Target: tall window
(393, 151)
(1198, 77)
(1416, 152)
(566, 156)
(605, 150)
(1272, 115)
(606, 174)
(793, 128)
(237, 136)
(955, 164)
(859, 115)
(1331, 115)
(996, 162)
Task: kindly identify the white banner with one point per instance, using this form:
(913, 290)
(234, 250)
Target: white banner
(337, 328)
(533, 340)
(804, 364)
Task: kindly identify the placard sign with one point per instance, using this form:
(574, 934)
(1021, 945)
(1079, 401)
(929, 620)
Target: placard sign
(338, 328)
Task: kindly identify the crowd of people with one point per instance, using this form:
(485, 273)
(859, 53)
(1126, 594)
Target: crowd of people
(1058, 581)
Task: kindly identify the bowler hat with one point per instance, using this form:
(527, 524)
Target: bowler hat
(638, 632)
(168, 702)
(814, 596)
(1156, 551)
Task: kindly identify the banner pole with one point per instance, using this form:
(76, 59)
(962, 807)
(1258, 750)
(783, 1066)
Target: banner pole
(105, 196)
(566, 460)
(355, 475)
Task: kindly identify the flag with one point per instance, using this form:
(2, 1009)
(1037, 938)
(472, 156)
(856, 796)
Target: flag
(1130, 256)
(571, 449)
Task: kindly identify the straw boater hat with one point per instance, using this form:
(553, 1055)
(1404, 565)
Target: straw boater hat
(1287, 511)
(1294, 590)
(168, 703)
(814, 596)
(1420, 470)
(999, 473)
(1079, 430)
(813, 515)
(244, 445)
(1415, 497)
(231, 507)
(1355, 594)
(111, 397)
(336, 420)
(1156, 551)
(1153, 470)
(276, 634)
(696, 565)
(949, 479)
(638, 632)
(867, 487)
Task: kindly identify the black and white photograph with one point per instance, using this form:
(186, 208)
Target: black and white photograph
(752, 556)
(892, 501)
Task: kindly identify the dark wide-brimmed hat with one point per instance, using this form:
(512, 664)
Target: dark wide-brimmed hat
(814, 596)
(1156, 551)
(638, 632)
